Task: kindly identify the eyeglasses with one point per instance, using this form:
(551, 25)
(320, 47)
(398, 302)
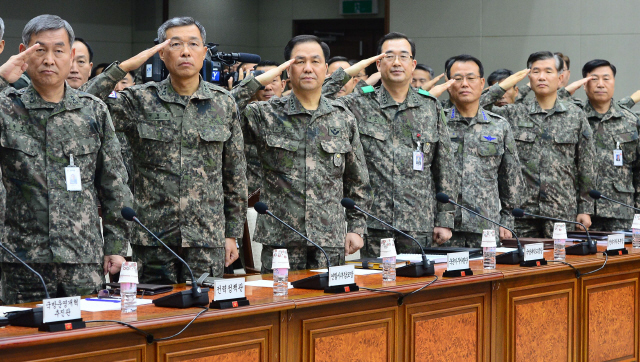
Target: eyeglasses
(176, 45)
(470, 78)
(404, 58)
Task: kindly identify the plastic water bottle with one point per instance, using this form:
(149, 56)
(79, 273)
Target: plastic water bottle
(559, 252)
(489, 257)
(636, 238)
(280, 282)
(128, 293)
(389, 269)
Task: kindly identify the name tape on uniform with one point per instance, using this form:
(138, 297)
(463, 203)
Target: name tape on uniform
(341, 275)
(458, 261)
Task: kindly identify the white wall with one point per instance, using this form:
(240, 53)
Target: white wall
(502, 33)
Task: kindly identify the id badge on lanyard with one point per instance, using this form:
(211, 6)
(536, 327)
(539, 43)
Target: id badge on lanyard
(72, 173)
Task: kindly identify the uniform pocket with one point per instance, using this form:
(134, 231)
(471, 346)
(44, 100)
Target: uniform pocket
(628, 144)
(22, 150)
(490, 146)
(156, 144)
(336, 149)
(85, 154)
(282, 154)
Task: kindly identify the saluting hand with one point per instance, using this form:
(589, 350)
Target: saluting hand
(17, 64)
(573, 87)
(136, 61)
(267, 77)
(437, 91)
(428, 85)
(356, 68)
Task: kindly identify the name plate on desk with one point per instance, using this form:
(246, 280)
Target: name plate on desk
(341, 275)
(615, 242)
(458, 261)
(61, 309)
(533, 251)
(228, 289)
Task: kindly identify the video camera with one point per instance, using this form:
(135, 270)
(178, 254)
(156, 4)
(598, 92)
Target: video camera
(212, 67)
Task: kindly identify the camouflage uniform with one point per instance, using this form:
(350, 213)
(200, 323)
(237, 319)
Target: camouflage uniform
(242, 93)
(310, 160)
(189, 169)
(52, 228)
(622, 183)
(489, 96)
(390, 132)
(488, 170)
(564, 95)
(557, 155)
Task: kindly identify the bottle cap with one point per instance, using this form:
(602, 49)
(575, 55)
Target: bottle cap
(280, 259)
(129, 273)
(559, 231)
(387, 248)
(488, 238)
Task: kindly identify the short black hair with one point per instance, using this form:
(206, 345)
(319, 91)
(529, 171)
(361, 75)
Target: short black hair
(462, 58)
(337, 59)
(543, 55)
(593, 64)
(95, 69)
(269, 63)
(395, 35)
(298, 39)
(87, 45)
(426, 68)
(499, 75)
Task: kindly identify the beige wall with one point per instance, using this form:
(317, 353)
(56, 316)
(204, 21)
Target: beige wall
(502, 33)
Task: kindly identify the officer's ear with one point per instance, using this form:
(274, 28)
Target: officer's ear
(161, 54)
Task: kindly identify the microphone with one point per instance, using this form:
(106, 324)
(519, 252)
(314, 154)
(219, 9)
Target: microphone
(512, 257)
(187, 298)
(579, 249)
(423, 268)
(319, 281)
(239, 57)
(31, 317)
(595, 194)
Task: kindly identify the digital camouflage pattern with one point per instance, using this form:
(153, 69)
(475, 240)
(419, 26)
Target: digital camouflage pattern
(311, 160)
(618, 126)
(489, 96)
(50, 224)
(189, 166)
(19, 285)
(557, 154)
(158, 266)
(242, 93)
(389, 133)
(488, 170)
(302, 257)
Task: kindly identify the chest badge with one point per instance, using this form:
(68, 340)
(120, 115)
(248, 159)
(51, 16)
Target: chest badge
(334, 131)
(489, 138)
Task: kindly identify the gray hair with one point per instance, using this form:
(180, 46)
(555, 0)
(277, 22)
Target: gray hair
(43, 23)
(180, 21)
(544, 55)
(1, 28)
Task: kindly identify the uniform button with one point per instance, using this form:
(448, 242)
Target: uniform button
(338, 155)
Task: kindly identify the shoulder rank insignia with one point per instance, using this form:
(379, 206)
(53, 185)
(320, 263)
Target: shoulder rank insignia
(422, 91)
(368, 89)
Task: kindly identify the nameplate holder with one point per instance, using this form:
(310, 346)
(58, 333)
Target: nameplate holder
(615, 245)
(457, 265)
(61, 314)
(342, 279)
(229, 293)
(533, 255)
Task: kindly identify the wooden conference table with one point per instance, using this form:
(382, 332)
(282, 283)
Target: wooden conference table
(509, 314)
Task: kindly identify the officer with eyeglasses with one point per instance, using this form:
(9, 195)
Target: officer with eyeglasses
(407, 148)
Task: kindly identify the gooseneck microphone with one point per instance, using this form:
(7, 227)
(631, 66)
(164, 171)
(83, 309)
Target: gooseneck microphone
(187, 298)
(595, 194)
(320, 281)
(582, 248)
(423, 268)
(31, 317)
(512, 257)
